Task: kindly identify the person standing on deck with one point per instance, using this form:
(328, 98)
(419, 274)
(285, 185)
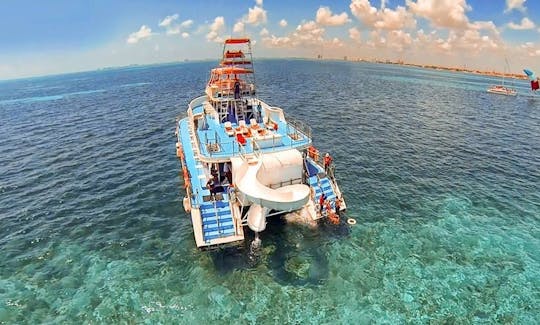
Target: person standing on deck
(327, 162)
(338, 206)
(211, 186)
(236, 89)
(321, 202)
(227, 171)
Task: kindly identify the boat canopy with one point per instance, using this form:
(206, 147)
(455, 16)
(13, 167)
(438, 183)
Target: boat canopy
(237, 40)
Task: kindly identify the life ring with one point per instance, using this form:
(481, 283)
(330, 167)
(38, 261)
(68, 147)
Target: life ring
(351, 221)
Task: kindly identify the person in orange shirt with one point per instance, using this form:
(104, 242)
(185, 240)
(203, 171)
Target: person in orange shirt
(327, 162)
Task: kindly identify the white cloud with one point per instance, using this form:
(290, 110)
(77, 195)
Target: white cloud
(187, 23)
(172, 28)
(167, 21)
(259, 2)
(305, 34)
(324, 17)
(185, 35)
(485, 25)
(355, 34)
(399, 40)
(531, 49)
(515, 4)
(385, 18)
(143, 33)
(309, 31)
(239, 27)
(395, 40)
(283, 23)
(526, 23)
(336, 42)
(274, 41)
(255, 16)
(215, 28)
(377, 40)
(462, 34)
(442, 13)
(471, 41)
(264, 32)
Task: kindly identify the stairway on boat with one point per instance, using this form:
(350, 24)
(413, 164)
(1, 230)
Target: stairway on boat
(322, 185)
(217, 220)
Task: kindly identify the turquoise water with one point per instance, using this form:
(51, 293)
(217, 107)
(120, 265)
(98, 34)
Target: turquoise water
(443, 179)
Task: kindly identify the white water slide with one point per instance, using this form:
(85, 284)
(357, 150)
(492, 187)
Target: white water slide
(252, 178)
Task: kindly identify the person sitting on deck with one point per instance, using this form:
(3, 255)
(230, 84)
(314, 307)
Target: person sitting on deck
(229, 129)
(253, 124)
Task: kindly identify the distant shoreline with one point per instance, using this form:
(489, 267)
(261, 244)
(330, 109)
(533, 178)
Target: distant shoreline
(454, 69)
(144, 65)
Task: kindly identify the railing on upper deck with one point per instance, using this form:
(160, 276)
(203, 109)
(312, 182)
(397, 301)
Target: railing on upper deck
(295, 129)
(299, 127)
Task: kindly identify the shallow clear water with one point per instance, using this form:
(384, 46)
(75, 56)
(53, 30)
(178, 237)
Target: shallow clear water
(443, 179)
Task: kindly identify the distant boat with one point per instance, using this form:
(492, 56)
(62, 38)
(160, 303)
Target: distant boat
(502, 89)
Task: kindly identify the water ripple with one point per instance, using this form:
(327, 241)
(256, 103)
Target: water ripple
(443, 179)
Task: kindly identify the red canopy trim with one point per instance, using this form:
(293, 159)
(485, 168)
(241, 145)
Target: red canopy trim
(237, 40)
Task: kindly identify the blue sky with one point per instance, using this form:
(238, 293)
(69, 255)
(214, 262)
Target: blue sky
(38, 38)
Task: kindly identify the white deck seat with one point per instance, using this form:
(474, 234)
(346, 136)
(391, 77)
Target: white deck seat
(242, 128)
(229, 129)
(253, 124)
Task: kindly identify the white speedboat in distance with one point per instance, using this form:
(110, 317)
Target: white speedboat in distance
(244, 160)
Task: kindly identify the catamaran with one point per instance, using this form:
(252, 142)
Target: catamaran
(244, 160)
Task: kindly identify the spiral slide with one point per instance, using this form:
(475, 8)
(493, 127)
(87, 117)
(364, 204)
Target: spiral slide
(286, 198)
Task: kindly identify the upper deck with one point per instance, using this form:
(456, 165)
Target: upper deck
(261, 128)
